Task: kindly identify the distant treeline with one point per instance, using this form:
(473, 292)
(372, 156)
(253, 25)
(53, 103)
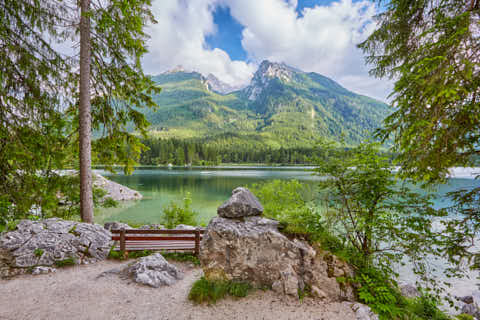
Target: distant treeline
(198, 152)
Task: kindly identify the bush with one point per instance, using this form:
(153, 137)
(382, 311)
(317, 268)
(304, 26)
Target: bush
(65, 262)
(118, 255)
(182, 257)
(290, 203)
(174, 215)
(205, 291)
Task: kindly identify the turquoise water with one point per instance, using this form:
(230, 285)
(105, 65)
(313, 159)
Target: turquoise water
(208, 188)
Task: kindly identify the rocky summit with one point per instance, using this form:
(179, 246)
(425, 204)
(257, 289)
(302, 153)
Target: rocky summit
(249, 248)
(242, 203)
(51, 242)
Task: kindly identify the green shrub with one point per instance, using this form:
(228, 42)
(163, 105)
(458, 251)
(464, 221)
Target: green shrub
(182, 257)
(425, 308)
(119, 255)
(65, 262)
(108, 202)
(205, 291)
(116, 255)
(174, 214)
(289, 202)
(38, 252)
(464, 316)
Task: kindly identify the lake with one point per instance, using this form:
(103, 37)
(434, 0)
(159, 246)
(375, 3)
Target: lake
(210, 187)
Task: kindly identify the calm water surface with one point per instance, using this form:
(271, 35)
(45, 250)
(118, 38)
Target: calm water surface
(210, 187)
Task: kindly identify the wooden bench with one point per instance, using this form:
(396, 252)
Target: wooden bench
(139, 240)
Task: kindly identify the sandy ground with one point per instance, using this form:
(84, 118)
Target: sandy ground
(78, 293)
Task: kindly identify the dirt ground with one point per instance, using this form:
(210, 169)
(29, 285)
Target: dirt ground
(78, 293)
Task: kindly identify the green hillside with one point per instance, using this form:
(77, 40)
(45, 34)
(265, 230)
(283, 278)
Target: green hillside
(282, 107)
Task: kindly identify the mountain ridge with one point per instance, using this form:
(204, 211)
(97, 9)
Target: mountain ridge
(282, 106)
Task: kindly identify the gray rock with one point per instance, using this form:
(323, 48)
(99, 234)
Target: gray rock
(472, 310)
(154, 271)
(316, 292)
(43, 270)
(242, 203)
(363, 312)
(466, 299)
(114, 190)
(409, 290)
(253, 250)
(51, 241)
(114, 225)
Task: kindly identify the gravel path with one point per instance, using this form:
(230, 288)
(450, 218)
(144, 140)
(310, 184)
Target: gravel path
(78, 293)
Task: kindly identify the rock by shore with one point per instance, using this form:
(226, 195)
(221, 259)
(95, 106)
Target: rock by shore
(249, 248)
(51, 242)
(115, 190)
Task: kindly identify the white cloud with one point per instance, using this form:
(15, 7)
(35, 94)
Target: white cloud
(179, 39)
(323, 39)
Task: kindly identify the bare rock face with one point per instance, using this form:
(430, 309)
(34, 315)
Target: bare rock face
(251, 249)
(51, 242)
(242, 203)
(154, 271)
(115, 190)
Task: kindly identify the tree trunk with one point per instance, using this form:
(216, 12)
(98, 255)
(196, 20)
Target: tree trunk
(85, 118)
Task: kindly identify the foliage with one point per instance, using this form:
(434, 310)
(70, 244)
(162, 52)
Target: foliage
(108, 202)
(118, 255)
(205, 291)
(38, 100)
(431, 49)
(289, 202)
(174, 214)
(383, 220)
(465, 317)
(222, 148)
(65, 262)
(182, 257)
(38, 252)
(287, 114)
(377, 290)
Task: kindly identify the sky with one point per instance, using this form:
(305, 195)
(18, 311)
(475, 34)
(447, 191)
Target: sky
(230, 38)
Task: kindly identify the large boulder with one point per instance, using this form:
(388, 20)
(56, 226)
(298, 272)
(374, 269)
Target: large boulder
(115, 190)
(242, 203)
(154, 271)
(51, 242)
(253, 250)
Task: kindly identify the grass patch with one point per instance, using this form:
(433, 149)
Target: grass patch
(65, 262)
(182, 257)
(119, 255)
(38, 252)
(205, 291)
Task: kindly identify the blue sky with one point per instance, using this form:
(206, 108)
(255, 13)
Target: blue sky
(229, 31)
(229, 38)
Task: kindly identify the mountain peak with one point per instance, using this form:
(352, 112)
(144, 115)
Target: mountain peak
(178, 68)
(215, 84)
(266, 72)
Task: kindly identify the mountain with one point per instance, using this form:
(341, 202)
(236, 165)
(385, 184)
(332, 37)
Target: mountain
(281, 107)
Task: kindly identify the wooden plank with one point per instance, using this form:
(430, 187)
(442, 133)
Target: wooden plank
(122, 240)
(158, 231)
(197, 243)
(134, 238)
